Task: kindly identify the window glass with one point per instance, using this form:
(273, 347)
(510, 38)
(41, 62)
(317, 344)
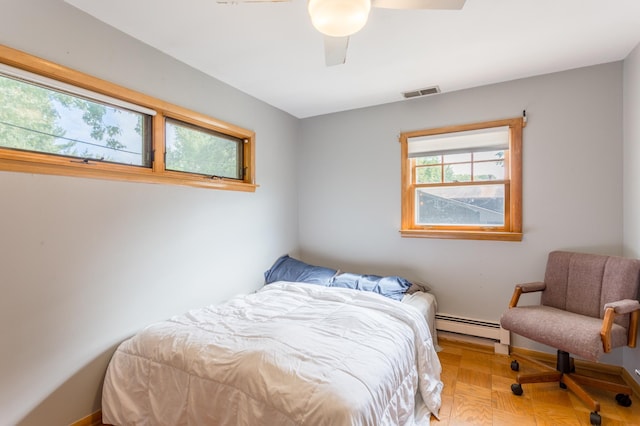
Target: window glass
(457, 158)
(457, 172)
(40, 119)
(488, 170)
(479, 205)
(488, 155)
(429, 174)
(197, 150)
(434, 159)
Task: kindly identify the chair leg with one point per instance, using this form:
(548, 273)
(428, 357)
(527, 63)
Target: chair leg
(549, 374)
(623, 392)
(539, 377)
(601, 384)
(568, 379)
(566, 376)
(535, 362)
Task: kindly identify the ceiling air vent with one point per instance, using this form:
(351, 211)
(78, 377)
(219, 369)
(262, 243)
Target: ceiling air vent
(421, 92)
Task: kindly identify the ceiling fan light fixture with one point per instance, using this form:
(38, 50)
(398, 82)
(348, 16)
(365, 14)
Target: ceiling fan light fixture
(339, 18)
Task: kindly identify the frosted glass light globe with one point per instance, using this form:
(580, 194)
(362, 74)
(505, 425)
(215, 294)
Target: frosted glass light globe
(339, 18)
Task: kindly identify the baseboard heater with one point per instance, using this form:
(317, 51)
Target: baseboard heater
(475, 328)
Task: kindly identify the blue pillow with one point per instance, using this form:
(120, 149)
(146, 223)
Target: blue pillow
(392, 287)
(289, 269)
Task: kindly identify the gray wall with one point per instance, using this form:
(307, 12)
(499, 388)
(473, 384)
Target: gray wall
(86, 263)
(632, 176)
(349, 187)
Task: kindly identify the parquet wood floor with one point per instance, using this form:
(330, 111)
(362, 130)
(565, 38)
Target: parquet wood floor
(477, 392)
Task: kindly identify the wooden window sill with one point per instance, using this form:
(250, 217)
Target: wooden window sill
(461, 235)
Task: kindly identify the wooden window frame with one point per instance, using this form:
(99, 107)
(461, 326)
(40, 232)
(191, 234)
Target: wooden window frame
(43, 163)
(512, 229)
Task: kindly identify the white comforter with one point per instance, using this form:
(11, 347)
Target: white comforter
(290, 354)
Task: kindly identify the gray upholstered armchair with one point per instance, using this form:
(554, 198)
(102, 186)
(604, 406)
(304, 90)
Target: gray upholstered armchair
(588, 306)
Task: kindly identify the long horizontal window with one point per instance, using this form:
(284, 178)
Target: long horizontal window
(58, 121)
(463, 181)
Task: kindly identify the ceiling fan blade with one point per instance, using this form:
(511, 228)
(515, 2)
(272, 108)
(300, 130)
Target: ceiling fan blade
(335, 50)
(419, 4)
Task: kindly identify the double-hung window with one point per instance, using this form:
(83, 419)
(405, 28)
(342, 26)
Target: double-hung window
(463, 181)
(55, 120)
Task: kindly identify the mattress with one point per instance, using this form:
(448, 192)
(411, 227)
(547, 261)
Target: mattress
(289, 354)
(426, 304)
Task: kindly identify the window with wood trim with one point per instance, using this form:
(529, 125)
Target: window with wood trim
(463, 182)
(55, 120)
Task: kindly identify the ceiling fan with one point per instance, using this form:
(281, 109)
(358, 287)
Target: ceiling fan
(339, 19)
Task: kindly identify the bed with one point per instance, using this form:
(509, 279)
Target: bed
(292, 353)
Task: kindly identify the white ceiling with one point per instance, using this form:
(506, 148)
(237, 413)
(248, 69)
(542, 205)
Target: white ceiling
(271, 51)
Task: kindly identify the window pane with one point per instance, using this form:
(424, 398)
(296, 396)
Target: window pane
(457, 173)
(429, 174)
(35, 118)
(423, 161)
(457, 158)
(488, 155)
(490, 170)
(196, 150)
(479, 205)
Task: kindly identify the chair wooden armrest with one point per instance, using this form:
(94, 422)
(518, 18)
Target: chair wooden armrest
(633, 329)
(621, 307)
(525, 288)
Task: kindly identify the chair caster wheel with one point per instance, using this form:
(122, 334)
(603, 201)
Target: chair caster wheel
(623, 400)
(515, 366)
(595, 419)
(516, 388)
